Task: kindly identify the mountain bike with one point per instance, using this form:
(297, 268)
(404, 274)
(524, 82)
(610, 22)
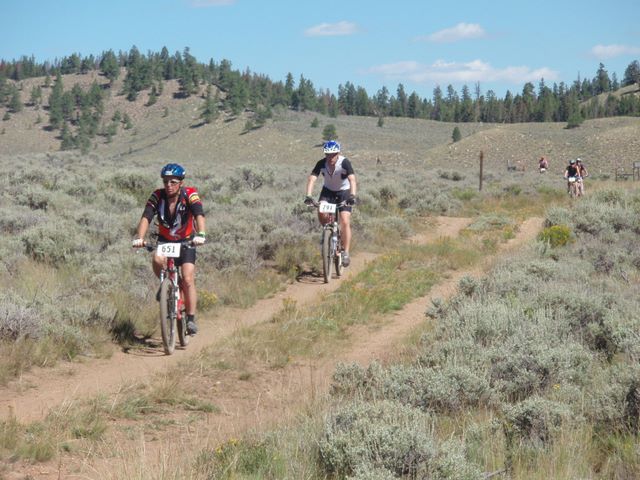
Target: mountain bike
(573, 186)
(331, 241)
(173, 318)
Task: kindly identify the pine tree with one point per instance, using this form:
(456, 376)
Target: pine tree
(15, 103)
(237, 97)
(210, 107)
(329, 132)
(575, 119)
(466, 106)
(109, 66)
(36, 96)
(288, 89)
(67, 138)
(381, 101)
(315, 123)
(632, 74)
(602, 82)
(56, 116)
(456, 136)
(153, 96)
(401, 101)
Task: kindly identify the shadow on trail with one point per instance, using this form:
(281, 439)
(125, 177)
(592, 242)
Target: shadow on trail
(310, 277)
(146, 347)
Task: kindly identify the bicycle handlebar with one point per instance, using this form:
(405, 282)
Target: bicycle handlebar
(151, 246)
(338, 205)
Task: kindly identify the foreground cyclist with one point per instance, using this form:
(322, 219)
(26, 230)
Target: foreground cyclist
(180, 217)
(339, 185)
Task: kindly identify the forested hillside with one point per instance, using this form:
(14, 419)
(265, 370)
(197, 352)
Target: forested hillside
(77, 113)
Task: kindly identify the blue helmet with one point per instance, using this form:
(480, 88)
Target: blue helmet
(173, 170)
(331, 147)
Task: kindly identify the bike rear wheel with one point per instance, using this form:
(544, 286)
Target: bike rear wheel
(326, 255)
(168, 316)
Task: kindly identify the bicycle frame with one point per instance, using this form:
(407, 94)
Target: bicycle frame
(174, 274)
(172, 319)
(331, 249)
(573, 186)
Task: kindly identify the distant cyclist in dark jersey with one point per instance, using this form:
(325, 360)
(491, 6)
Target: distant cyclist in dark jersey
(339, 185)
(572, 171)
(180, 217)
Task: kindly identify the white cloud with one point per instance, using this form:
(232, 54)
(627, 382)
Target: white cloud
(331, 29)
(604, 52)
(211, 3)
(462, 31)
(441, 72)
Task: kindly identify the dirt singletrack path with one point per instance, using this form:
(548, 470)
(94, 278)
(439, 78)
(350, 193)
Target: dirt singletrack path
(30, 397)
(309, 378)
(272, 397)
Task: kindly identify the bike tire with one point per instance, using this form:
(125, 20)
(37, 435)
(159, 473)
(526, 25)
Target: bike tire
(168, 316)
(326, 255)
(573, 190)
(337, 257)
(183, 338)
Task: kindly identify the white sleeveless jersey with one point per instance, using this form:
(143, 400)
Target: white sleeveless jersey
(337, 180)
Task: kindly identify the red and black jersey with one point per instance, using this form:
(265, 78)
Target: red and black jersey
(180, 226)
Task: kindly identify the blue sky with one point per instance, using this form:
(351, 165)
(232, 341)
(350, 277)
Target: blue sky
(419, 43)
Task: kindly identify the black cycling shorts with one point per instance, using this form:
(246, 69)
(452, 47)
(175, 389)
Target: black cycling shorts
(187, 254)
(336, 197)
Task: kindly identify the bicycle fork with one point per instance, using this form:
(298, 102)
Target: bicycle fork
(171, 273)
(332, 229)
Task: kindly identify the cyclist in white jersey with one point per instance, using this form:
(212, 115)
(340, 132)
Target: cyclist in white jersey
(339, 185)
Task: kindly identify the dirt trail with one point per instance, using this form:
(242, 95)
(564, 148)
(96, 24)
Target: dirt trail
(270, 397)
(31, 396)
(308, 379)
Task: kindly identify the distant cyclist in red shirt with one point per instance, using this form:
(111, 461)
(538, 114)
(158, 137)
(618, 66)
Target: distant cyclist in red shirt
(180, 217)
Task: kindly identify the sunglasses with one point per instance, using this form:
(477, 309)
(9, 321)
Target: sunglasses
(172, 182)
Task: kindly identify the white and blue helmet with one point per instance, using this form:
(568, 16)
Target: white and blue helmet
(331, 147)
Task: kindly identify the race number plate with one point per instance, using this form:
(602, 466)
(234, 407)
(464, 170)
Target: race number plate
(168, 250)
(327, 207)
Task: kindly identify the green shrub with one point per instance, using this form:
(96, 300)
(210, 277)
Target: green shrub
(614, 404)
(464, 195)
(556, 236)
(533, 423)
(353, 380)
(558, 216)
(53, 244)
(381, 435)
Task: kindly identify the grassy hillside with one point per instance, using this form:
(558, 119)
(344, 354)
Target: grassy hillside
(171, 129)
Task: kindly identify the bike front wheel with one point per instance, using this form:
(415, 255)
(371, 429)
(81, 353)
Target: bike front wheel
(337, 256)
(326, 255)
(183, 338)
(168, 315)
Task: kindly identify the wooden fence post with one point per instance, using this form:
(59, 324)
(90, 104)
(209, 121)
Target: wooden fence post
(481, 161)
